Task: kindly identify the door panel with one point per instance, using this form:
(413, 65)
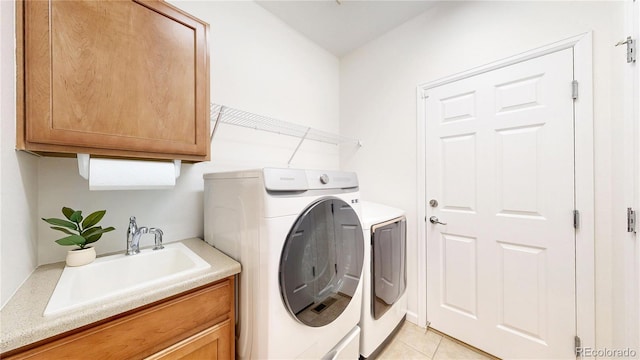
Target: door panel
(518, 173)
(500, 160)
(522, 284)
(459, 172)
(459, 274)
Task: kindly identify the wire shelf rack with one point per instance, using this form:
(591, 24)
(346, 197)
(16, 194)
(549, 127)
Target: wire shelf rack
(227, 115)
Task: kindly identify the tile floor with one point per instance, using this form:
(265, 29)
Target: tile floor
(413, 342)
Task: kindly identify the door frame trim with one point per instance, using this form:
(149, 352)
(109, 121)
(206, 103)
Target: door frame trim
(582, 46)
(632, 71)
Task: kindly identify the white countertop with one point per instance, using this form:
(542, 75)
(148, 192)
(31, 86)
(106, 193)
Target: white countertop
(21, 318)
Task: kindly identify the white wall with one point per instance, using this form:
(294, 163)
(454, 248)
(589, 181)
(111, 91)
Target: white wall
(378, 102)
(258, 64)
(18, 174)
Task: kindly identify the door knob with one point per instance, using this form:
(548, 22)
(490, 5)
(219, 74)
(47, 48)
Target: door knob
(434, 220)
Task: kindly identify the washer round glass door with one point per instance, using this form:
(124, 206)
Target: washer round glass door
(321, 262)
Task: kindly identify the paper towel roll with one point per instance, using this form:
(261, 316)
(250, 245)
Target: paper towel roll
(110, 174)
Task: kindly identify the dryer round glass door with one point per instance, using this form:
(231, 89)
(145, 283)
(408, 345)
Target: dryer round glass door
(321, 262)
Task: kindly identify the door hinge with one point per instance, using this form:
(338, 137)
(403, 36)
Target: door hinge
(631, 49)
(574, 89)
(578, 345)
(631, 220)
(576, 219)
(424, 95)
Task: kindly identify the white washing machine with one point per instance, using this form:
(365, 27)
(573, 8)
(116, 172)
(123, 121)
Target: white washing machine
(298, 236)
(384, 298)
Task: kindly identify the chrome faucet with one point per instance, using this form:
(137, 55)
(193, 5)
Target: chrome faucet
(134, 233)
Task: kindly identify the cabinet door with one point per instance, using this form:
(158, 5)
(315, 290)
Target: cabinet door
(116, 77)
(212, 343)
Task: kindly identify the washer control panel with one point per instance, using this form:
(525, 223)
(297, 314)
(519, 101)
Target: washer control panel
(302, 180)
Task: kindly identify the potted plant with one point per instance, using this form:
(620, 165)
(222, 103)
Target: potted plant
(81, 232)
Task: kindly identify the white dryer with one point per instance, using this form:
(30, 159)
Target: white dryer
(298, 236)
(384, 299)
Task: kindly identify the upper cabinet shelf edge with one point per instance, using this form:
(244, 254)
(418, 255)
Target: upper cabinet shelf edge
(112, 78)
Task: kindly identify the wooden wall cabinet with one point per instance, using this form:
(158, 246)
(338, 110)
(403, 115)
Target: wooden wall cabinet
(195, 325)
(113, 78)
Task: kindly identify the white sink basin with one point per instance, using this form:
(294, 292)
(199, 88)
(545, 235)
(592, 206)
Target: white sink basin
(115, 275)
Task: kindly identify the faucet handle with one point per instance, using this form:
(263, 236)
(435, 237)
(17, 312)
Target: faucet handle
(158, 238)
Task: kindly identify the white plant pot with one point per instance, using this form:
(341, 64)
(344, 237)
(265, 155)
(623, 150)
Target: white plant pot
(79, 257)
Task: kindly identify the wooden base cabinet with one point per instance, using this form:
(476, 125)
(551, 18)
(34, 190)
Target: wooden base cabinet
(112, 78)
(198, 324)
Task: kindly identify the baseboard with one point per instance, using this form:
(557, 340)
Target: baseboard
(412, 317)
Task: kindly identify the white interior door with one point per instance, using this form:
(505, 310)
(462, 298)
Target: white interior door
(500, 162)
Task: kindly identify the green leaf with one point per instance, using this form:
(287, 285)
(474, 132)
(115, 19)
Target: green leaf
(88, 232)
(93, 238)
(60, 222)
(72, 240)
(68, 212)
(63, 230)
(93, 219)
(76, 217)
(94, 234)
(96, 230)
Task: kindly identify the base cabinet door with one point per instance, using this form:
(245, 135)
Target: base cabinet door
(212, 343)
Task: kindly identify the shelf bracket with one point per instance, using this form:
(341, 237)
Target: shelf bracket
(298, 147)
(215, 124)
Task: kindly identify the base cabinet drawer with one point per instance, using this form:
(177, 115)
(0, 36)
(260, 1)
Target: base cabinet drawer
(213, 343)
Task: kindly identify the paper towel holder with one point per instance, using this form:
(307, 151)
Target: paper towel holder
(83, 166)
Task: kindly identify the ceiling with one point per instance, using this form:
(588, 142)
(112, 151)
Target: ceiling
(345, 26)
